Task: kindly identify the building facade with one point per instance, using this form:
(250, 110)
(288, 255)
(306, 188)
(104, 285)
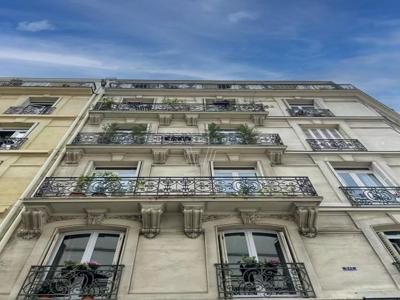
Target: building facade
(206, 190)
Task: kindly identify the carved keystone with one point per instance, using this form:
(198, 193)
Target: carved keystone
(95, 216)
(249, 216)
(151, 219)
(306, 219)
(33, 221)
(193, 219)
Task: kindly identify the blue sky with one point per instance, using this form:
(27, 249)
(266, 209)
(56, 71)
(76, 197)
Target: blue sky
(347, 41)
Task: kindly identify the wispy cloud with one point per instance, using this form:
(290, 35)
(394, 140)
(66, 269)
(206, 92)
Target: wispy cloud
(35, 26)
(239, 16)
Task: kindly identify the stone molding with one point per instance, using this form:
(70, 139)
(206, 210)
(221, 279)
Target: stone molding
(165, 119)
(33, 221)
(160, 156)
(193, 219)
(191, 119)
(151, 219)
(306, 219)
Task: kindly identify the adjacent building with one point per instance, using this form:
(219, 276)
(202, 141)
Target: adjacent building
(147, 189)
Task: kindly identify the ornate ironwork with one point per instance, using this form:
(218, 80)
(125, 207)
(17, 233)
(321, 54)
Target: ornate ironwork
(89, 138)
(336, 145)
(262, 281)
(11, 143)
(65, 282)
(34, 109)
(180, 107)
(30, 83)
(177, 186)
(232, 85)
(372, 196)
(310, 112)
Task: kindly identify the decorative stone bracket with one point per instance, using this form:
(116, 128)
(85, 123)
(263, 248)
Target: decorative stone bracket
(151, 219)
(160, 156)
(95, 216)
(191, 119)
(33, 221)
(191, 156)
(193, 219)
(275, 156)
(73, 156)
(248, 216)
(95, 119)
(259, 119)
(165, 119)
(306, 219)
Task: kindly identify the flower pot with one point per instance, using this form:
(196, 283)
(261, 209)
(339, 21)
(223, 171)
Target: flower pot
(87, 297)
(77, 194)
(99, 194)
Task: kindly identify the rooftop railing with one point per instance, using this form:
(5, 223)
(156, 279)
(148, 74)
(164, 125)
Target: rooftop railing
(310, 112)
(32, 109)
(11, 143)
(114, 186)
(42, 83)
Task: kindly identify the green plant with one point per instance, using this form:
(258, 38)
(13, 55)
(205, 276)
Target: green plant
(109, 131)
(106, 182)
(247, 134)
(214, 133)
(82, 182)
(172, 101)
(138, 131)
(107, 102)
(249, 261)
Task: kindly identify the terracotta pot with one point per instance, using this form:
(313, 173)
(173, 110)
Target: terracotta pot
(77, 194)
(87, 297)
(99, 194)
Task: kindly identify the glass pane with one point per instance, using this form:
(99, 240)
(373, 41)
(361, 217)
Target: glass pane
(308, 133)
(317, 134)
(335, 133)
(105, 248)
(247, 173)
(223, 173)
(347, 179)
(267, 246)
(369, 179)
(236, 246)
(118, 172)
(71, 249)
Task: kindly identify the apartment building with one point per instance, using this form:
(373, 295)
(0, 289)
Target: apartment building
(212, 190)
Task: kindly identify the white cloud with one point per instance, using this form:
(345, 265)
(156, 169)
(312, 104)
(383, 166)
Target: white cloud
(35, 26)
(241, 16)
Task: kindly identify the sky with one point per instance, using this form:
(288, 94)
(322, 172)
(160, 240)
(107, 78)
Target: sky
(346, 41)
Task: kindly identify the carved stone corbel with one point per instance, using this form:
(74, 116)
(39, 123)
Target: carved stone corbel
(193, 219)
(95, 216)
(73, 156)
(160, 156)
(275, 156)
(191, 119)
(95, 119)
(191, 156)
(33, 220)
(165, 119)
(259, 119)
(151, 219)
(306, 219)
(249, 216)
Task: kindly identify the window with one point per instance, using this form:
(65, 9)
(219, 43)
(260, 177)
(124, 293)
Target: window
(301, 105)
(12, 138)
(322, 133)
(234, 172)
(394, 238)
(109, 181)
(37, 105)
(359, 177)
(235, 181)
(120, 172)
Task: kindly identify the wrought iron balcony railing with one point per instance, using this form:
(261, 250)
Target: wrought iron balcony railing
(177, 186)
(336, 145)
(38, 83)
(372, 196)
(30, 109)
(310, 112)
(11, 143)
(64, 282)
(88, 138)
(180, 107)
(260, 281)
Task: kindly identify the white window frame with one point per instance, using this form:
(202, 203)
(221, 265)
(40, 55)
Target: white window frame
(322, 133)
(90, 245)
(353, 171)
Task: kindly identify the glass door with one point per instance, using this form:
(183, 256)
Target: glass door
(112, 181)
(236, 180)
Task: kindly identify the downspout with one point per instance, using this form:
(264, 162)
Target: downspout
(13, 218)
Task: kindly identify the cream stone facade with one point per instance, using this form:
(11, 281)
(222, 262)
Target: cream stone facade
(202, 190)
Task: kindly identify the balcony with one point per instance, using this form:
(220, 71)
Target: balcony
(65, 282)
(336, 145)
(176, 187)
(30, 109)
(99, 138)
(261, 281)
(48, 84)
(372, 196)
(10, 143)
(179, 107)
(310, 112)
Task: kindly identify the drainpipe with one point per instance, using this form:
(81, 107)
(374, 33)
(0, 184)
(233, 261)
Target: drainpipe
(13, 218)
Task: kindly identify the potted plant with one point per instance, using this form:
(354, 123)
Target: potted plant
(138, 132)
(82, 182)
(109, 131)
(249, 267)
(106, 183)
(107, 102)
(270, 269)
(247, 134)
(214, 134)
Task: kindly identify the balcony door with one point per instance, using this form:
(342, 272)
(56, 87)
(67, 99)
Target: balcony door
(359, 178)
(322, 133)
(112, 181)
(11, 138)
(80, 247)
